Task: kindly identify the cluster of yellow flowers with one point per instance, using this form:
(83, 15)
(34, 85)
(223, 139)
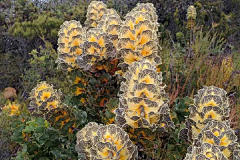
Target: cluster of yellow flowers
(205, 151)
(143, 102)
(138, 36)
(44, 99)
(12, 109)
(80, 47)
(97, 47)
(191, 16)
(105, 142)
(210, 103)
(106, 36)
(208, 128)
(71, 36)
(95, 11)
(111, 24)
(46, 102)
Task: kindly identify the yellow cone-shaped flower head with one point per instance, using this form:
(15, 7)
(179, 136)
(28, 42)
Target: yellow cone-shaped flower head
(105, 142)
(211, 103)
(97, 47)
(138, 37)
(71, 37)
(111, 24)
(95, 11)
(221, 135)
(143, 102)
(44, 99)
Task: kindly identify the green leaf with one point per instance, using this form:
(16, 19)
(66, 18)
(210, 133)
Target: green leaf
(31, 126)
(39, 129)
(15, 123)
(42, 139)
(109, 114)
(40, 121)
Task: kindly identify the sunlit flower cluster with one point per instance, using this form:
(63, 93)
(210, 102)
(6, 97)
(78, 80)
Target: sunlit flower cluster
(97, 47)
(138, 36)
(85, 47)
(210, 103)
(71, 36)
(44, 99)
(105, 142)
(221, 135)
(12, 109)
(111, 23)
(143, 101)
(95, 11)
(208, 128)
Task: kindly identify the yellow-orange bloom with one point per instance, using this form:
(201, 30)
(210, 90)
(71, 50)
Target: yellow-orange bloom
(12, 109)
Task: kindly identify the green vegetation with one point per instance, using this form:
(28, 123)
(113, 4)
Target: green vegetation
(164, 75)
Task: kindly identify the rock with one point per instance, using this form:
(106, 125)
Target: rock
(9, 92)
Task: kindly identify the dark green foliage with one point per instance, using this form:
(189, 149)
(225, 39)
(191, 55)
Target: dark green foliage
(175, 147)
(181, 109)
(96, 94)
(44, 26)
(43, 20)
(36, 138)
(39, 140)
(12, 67)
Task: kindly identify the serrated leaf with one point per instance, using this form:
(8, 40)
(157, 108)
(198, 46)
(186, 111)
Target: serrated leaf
(58, 154)
(18, 130)
(93, 81)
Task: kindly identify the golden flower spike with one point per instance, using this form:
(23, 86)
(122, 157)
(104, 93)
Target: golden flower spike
(105, 142)
(138, 37)
(221, 135)
(95, 11)
(97, 47)
(143, 102)
(211, 103)
(71, 37)
(44, 99)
